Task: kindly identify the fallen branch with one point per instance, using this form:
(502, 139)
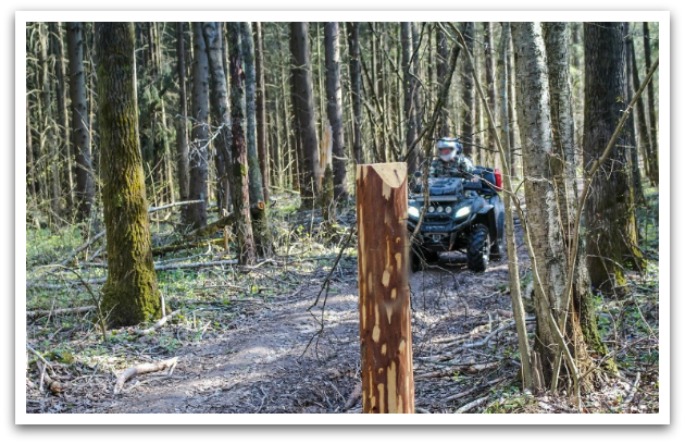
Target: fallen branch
(157, 325)
(472, 405)
(59, 311)
(141, 369)
(173, 204)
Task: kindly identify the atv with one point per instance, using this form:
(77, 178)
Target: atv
(465, 215)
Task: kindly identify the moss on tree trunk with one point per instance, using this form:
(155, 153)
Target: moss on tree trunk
(130, 294)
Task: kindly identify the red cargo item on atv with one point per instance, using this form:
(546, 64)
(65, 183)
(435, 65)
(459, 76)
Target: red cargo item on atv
(498, 179)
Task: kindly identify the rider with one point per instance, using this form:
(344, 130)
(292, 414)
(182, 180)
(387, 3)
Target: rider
(451, 161)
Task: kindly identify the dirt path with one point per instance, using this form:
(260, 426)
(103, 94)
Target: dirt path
(270, 355)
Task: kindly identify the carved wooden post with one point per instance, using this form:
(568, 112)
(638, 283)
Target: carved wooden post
(385, 322)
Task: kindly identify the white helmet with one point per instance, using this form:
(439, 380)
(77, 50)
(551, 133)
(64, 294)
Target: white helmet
(448, 148)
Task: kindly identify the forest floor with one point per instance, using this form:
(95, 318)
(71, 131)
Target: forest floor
(247, 339)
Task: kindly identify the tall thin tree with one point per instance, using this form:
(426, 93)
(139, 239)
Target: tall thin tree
(303, 103)
(334, 108)
(240, 192)
(85, 184)
(356, 89)
(198, 150)
(182, 166)
(130, 294)
(260, 110)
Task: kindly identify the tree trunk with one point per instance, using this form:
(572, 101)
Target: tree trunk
(563, 163)
(408, 83)
(303, 101)
(442, 54)
(239, 172)
(182, 166)
(130, 295)
(631, 123)
(504, 110)
(385, 315)
(85, 185)
(48, 127)
(610, 211)
(197, 155)
(356, 89)
(418, 93)
(61, 92)
(220, 116)
(334, 109)
(468, 123)
(490, 79)
(258, 206)
(262, 148)
(546, 244)
(651, 107)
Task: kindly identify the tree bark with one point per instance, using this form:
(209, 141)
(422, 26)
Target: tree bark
(543, 215)
(442, 54)
(356, 89)
(262, 149)
(408, 86)
(490, 79)
(651, 108)
(197, 155)
(303, 102)
(80, 122)
(56, 32)
(182, 165)
(563, 164)
(610, 211)
(220, 113)
(467, 96)
(643, 127)
(130, 295)
(385, 315)
(239, 172)
(631, 124)
(48, 125)
(334, 109)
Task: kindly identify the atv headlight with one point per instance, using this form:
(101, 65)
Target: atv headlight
(462, 212)
(413, 212)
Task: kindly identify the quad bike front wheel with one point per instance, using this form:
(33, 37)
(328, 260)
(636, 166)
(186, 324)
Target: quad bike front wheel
(478, 252)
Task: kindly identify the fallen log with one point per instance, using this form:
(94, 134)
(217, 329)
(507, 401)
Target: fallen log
(141, 369)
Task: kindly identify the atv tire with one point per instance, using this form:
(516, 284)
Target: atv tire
(497, 247)
(478, 252)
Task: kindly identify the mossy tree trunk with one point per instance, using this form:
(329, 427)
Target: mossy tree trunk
(610, 211)
(130, 294)
(409, 87)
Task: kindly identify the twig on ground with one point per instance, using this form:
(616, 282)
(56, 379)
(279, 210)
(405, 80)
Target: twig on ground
(472, 405)
(140, 369)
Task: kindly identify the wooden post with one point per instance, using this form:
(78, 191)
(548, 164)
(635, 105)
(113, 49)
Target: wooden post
(385, 319)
